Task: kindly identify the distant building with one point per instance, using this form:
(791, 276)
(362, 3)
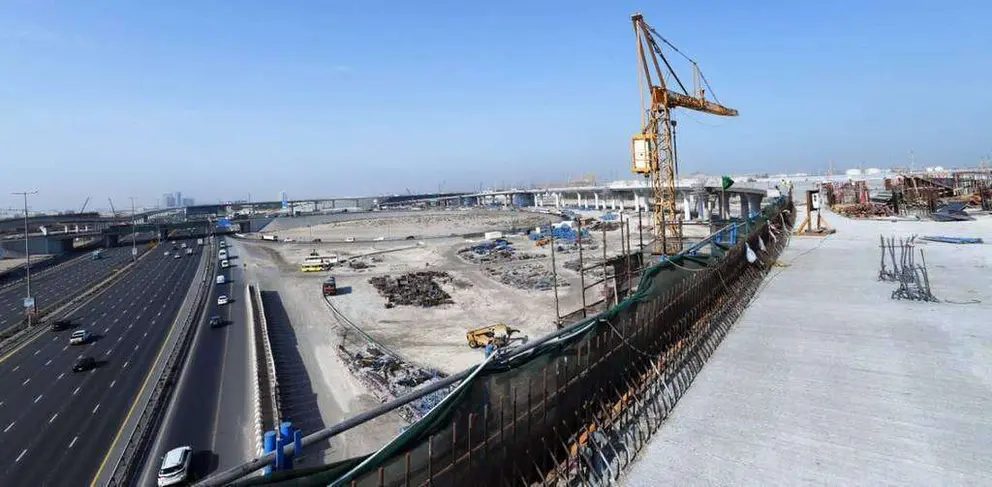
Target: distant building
(187, 201)
(179, 198)
(169, 200)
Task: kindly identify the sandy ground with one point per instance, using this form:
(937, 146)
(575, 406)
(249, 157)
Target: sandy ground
(826, 380)
(418, 224)
(8, 264)
(339, 395)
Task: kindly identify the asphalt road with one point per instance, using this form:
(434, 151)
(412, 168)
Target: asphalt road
(211, 410)
(51, 287)
(56, 425)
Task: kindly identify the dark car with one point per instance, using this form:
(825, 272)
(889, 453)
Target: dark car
(83, 364)
(59, 325)
(215, 321)
(316, 240)
(411, 237)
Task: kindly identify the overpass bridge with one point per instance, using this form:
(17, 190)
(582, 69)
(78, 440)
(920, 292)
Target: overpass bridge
(697, 199)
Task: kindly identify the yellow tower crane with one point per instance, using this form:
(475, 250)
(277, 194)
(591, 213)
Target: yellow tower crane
(656, 158)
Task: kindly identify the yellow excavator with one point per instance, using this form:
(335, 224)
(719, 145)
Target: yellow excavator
(498, 334)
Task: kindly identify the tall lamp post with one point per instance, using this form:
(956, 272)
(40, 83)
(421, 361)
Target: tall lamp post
(134, 235)
(28, 301)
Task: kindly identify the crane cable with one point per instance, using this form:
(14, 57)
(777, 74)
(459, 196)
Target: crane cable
(687, 58)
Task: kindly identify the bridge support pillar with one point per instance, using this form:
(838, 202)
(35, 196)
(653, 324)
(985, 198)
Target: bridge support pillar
(110, 241)
(163, 235)
(745, 206)
(754, 201)
(686, 209)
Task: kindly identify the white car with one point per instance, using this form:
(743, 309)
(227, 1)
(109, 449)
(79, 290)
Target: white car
(79, 337)
(221, 300)
(224, 264)
(175, 466)
(166, 253)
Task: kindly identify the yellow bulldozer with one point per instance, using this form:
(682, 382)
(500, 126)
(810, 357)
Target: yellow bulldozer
(498, 334)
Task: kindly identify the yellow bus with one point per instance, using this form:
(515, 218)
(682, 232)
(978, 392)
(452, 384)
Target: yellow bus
(312, 267)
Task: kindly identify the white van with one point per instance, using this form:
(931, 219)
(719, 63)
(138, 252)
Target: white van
(221, 279)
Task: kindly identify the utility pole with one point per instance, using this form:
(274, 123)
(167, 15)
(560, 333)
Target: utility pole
(28, 301)
(134, 233)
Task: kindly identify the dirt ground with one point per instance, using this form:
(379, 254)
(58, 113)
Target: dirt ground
(420, 224)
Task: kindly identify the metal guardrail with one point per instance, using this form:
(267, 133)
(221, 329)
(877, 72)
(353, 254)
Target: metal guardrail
(270, 363)
(23, 333)
(147, 424)
(368, 338)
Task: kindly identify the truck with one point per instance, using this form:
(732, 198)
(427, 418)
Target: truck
(270, 237)
(330, 287)
(199, 241)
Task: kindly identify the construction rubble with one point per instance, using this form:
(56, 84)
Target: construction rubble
(528, 276)
(388, 377)
(498, 250)
(420, 288)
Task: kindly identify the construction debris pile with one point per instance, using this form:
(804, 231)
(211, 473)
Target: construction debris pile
(529, 276)
(560, 232)
(599, 226)
(414, 289)
(914, 280)
(493, 251)
(388, 377)
(862, 210)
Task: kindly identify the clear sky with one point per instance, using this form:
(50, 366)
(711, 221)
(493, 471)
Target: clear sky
(219, 99)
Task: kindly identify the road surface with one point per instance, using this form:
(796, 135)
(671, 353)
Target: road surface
(56, 425)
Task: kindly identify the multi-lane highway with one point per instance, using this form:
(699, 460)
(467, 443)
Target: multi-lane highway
(50, 287)
(211, 410)
(56, 426)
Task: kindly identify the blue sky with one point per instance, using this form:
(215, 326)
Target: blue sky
(219, 99)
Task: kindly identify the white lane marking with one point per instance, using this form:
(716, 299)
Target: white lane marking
(15, 368)
(65, 348)
(55, 339)
(48, 363)
(21, 455)
(129, 326)
(75, 391)
(26, 381)
(125, 364)
(1, 403)
(135, 347)
(60, 376)
(108, 352)
(9, 426)
(95, 409)
(38, 398)
(112, 383)
(53, 418)
(36, 352)
(106, 330)
(120, 338)
(73, 442)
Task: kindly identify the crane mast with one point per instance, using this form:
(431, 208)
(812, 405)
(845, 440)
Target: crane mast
(653, 150)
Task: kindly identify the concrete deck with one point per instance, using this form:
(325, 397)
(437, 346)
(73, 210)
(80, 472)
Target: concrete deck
(825, 380)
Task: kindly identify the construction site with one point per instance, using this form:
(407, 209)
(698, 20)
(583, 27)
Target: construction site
(830, 330)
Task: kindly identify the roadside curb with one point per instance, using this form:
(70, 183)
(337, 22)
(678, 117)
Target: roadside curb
(255, 385)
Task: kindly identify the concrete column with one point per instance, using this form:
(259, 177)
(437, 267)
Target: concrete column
(686, 208)
(621, 204)
(613, 204)
(745, 206)
(66, 229)
(754, 201)
(596, 200)
(724, 205)
(557, 200)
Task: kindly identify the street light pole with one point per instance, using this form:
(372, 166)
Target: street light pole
(134, 235)
(27, 251)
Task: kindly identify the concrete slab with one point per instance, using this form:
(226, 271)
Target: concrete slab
(826, 380)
